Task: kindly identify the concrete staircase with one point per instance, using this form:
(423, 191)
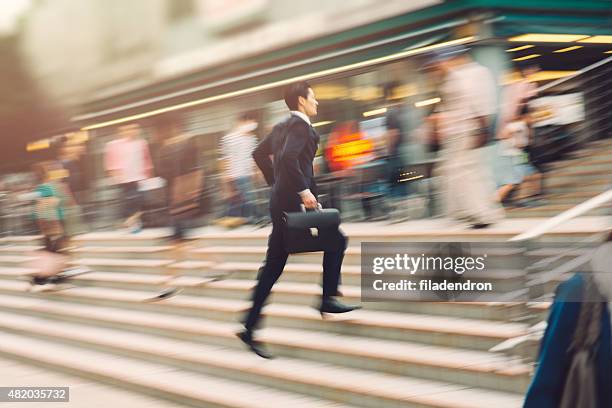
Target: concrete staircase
(183, 349)
(575, 179)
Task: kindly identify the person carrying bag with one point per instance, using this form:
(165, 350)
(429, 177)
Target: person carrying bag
(294, 143)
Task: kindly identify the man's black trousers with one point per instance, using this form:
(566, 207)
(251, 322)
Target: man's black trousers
(276, 258)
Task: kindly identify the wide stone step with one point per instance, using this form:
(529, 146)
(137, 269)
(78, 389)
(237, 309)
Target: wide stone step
(413, 231)
(570, 198)
(440, 330)
(19, 250)
(393, 357)
(147, 237)
(588, 163)
(305, 294)
(318, 380)
(188, 388)
(15, 260)
(195, 268)
(126, 252)
(578, 171)
(7, 272)
(287, 292)
(576, 176)
(26, 240)
(502, 279)
(235, 253)
(84, 392)
(595, 186)
(503, 256)
(593, 152)
(155, 266)
(428, 230)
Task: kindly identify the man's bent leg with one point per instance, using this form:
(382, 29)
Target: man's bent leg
(276, 258)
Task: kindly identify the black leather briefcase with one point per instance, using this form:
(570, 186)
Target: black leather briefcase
(312, 231)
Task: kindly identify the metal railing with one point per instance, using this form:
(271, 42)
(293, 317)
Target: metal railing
(593, 85)
(543, 272)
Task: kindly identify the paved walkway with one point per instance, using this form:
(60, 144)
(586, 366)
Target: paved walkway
(84, 393)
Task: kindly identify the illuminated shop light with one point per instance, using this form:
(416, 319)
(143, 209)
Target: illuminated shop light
(559, 38)
(527, 57)
(522, 47)
(427, 102)
(572, 48)
(374, 112)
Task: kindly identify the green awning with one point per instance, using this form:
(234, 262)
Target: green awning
(512, 24)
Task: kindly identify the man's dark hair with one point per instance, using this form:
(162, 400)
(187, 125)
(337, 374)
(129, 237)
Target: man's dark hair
(293, 92)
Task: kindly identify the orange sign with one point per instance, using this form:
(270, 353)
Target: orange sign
(347, 147)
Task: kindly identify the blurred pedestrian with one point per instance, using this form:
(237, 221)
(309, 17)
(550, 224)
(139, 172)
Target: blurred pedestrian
(427, 132)
(50, 204)
(238, 168)
(71, 158)
(178, 165)
(395, 137)
(127, 161)
(468, 102)
(533, 172)
(514, 133)
(291, 176)
(576, 351)
(51, 199)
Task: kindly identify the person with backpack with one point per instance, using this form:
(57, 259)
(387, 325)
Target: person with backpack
(575, 356)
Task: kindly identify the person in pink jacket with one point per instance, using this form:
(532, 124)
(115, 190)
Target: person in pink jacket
(127, 161)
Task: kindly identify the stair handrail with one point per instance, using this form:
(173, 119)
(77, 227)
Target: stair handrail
(565, 216)
(575, 74)
(577, 130)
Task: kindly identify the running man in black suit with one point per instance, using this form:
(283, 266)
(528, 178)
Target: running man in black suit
(293, 143)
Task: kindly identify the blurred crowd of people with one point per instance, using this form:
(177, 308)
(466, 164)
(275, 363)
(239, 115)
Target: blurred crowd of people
(363, 169)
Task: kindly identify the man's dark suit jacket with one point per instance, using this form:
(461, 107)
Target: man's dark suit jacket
(293, 143)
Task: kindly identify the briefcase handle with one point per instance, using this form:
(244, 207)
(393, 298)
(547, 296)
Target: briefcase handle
(313, 231)
(319, 207)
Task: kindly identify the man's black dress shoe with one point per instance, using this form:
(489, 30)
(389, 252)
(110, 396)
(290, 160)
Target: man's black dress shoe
(331, 305)
(255, 346)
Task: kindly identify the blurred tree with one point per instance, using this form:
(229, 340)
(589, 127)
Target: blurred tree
(25, 113)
